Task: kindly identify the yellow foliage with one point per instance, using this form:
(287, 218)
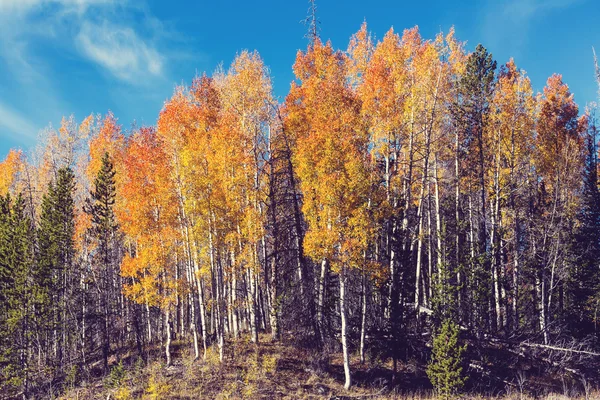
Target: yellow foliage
(9, 169)
(123, 393)
(331, 155)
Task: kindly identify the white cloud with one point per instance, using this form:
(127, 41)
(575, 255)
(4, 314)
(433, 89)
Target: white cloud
(120, 37)
(115, 45)
(24, 6)
(120, 50)
(15, 124)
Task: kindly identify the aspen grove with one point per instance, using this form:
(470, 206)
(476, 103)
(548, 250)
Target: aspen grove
(401, 184)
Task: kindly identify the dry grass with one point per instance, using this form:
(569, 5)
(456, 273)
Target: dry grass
(271, 371)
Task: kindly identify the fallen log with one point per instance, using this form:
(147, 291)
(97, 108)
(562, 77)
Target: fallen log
(549, 347)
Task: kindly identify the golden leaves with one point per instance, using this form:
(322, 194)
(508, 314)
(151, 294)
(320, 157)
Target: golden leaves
(9, 169)
(108, 139)
(330, 154)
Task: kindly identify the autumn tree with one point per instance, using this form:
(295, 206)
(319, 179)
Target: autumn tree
(331, 160)
(383, 103)
(147, 216)
(8, 170)
(509, 136)
(559, 161)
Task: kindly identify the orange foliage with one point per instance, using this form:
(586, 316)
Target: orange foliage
(331, 156)
(147, 214)
(9, 169)
(108, 139)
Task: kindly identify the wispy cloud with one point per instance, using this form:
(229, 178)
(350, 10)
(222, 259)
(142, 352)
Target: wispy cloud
(508, 22)
(42, 39)
(520, 10)
(16, 125)
(101, 31)
(24, 6)
(120, 50)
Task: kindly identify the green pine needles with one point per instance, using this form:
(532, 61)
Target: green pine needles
(445, 369)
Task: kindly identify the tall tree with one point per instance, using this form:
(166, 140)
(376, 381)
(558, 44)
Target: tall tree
(55, 256)
(474, 94)
(510, 137)
(103, 230)
(19, 291)
(559, 160)
(584, 277)
(331, 160)
(148, 216)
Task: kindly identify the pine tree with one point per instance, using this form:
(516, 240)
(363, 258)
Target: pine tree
(16, 247)
(8, 357)
(474, 94)
(100, 206)
(585, 278)
(56, 251)
(445, 369)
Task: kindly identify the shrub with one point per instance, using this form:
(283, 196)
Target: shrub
(117, 375)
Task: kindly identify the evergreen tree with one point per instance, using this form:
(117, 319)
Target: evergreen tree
(443, 303)
(55, 255)
(8, 357)
(585, 275)
(16, 323)
(104, 229)
(445, 370)
(470, 112)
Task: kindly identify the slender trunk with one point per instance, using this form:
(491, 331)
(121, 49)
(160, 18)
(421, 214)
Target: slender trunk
(233, 306)
(219, 312)
(438, 215)
(274, 314)
(344, 328)
(516, 293)
(475, 306)
(541, 294)
(516, 269)
(495, 268)
(216, 274)
(424, 183)
(419, 253)
(197, 279)
(321, 298)
(457, 220)
(168, 329)
(496, 242)
(252, 306)
(363, 317)
(552, 279)
(148, 321)
(193, 317)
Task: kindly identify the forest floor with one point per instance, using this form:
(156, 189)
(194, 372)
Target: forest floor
(280, 370)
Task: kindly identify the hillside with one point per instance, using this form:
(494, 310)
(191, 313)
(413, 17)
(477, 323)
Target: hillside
(286, 371)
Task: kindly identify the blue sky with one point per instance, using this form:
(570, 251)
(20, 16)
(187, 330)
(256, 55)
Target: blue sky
(62, 57)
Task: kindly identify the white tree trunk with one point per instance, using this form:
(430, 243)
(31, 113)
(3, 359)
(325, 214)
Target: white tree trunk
(168, 343)
(363, 319)
(348, 380)
(321, 296)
